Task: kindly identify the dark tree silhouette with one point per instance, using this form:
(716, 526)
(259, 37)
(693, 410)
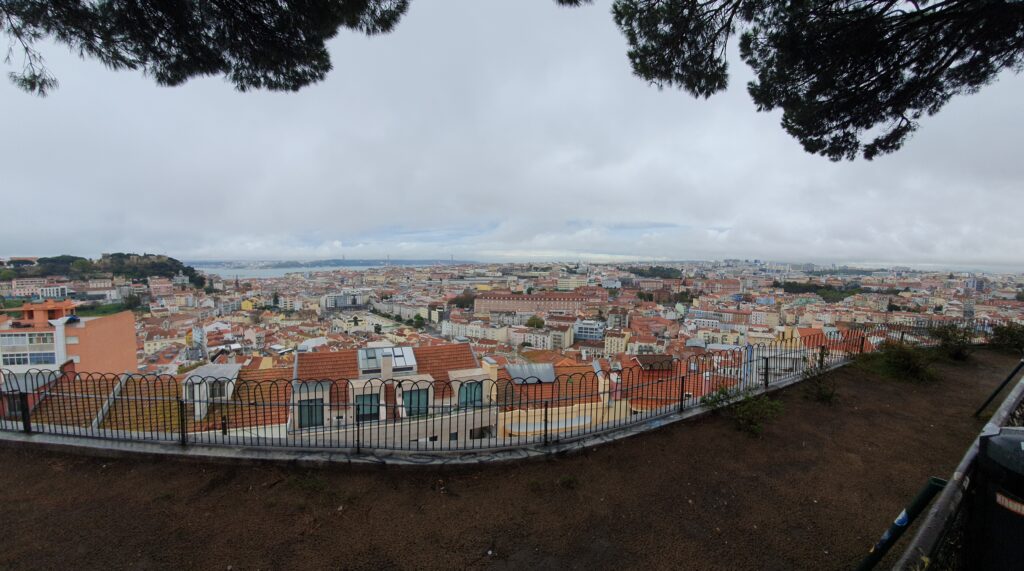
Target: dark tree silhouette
(271, 44)
(852, 77)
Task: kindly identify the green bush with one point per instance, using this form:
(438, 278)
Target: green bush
(954, 341)
(1008, 336)
(719, 399)
(899, 361)
(751, 413)
(818, 386)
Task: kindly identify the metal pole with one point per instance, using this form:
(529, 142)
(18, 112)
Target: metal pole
(545, 423)
(682, 393)
(903, 521)
(183, 435)
(359, 433)
(766, 372)
(26, 416)
(1009, 378)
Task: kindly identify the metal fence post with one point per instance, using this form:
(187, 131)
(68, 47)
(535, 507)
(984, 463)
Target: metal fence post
(183, 434)
(26, 416)
(863, 339)
(821, 357)
(765, 372)
(545, 423)
(682, 393)
(359, 430)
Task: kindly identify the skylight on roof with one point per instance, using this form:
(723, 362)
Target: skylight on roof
(402, 358)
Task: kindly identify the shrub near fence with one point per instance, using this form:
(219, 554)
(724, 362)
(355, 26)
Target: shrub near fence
(362, 415)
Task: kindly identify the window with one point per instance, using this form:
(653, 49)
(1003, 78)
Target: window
(40, 338)
(311, 413)
(417, 402)
(190, 392)
(71, 340)
(367, 408)
(471, 394)
(13, 340)
(217, 390)
(15, 359)
(42, 358)
(13, 405)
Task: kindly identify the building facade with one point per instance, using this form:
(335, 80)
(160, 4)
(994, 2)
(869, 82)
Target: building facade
(49, 334)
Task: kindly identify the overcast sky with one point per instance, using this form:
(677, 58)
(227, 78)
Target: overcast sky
(490, 130)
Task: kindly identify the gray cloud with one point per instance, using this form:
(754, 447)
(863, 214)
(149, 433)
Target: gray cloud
(489, 130)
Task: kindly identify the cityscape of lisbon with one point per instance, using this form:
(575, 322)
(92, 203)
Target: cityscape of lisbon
(732, 392)
(153, 314)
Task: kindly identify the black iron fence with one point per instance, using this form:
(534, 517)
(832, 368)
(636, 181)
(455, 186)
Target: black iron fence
(418, 413)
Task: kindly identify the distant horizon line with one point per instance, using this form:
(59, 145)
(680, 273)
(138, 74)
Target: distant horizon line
(916, 266)
(615, 259)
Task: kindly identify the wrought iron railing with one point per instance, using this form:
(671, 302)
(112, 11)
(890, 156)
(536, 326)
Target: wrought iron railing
(405, 414)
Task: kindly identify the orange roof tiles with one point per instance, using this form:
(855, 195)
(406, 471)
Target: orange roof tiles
(253, 403)
(573, 384)
(74, 401)
(147, 404)
(337, 365)
(433, 360)
(438, 360)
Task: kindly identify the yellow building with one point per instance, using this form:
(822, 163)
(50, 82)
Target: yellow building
(615, 342)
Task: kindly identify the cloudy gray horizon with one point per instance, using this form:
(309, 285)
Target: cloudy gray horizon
(491, 131)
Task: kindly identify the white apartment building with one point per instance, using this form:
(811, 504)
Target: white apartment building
(475, 330)
(53, 292)
(347, 298)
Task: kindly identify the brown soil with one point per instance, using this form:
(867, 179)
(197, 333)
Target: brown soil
(813, 492)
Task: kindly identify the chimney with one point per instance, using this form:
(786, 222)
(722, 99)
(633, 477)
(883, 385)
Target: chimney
(386, 366)
(67, 370)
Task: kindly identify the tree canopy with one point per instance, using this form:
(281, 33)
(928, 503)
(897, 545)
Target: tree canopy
(851, 77)
(269, 44)
(134, 266)
(662, 272)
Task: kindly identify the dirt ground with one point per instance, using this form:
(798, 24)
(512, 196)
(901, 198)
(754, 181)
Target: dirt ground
(813, 492)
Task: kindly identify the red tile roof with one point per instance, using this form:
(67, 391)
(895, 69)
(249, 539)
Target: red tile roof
(438, 360)
(573, 385)
(338, 365)
(434, 360)
(253, 403)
